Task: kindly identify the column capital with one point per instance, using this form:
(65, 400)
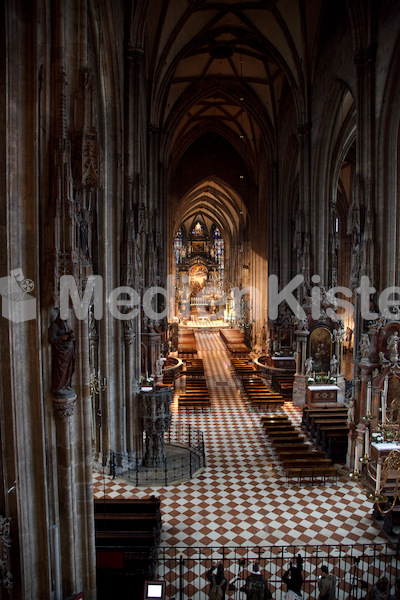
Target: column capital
(64, 408)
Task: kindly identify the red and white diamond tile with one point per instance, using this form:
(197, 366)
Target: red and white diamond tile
(242, 497)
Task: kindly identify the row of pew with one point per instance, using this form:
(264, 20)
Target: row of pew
(283, 383)
(259, 395)
(186, 344)
(197, 395)
(328, 426)
(242, 367)
(194, 368)
(234, 341)
(299, 460)
(256, 390)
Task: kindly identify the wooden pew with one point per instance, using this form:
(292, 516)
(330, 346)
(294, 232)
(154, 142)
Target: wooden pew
(312, 474)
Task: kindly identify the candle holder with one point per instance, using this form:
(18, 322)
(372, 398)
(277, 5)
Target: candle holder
(368, 417)
(366, 459)
(97, 383)
(355, 475)
(377, 498)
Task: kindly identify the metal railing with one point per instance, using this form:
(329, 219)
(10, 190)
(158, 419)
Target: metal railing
(185, 455)
(355, 567)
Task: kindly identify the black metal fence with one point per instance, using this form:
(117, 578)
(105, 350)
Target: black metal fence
(185, 454)
(356, 568)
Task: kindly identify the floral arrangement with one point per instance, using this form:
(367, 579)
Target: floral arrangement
(377, 437)
(147, 380)
(321, 379)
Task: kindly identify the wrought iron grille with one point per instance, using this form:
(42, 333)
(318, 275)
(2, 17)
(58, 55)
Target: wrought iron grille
(184, 457)
(356, 568)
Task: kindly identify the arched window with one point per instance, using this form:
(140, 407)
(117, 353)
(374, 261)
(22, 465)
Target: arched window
(219, 253)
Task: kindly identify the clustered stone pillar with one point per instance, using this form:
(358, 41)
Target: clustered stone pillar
(64, 410)
(156, 419)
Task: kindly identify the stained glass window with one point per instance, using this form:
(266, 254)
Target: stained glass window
(219, 254)
(178, 244)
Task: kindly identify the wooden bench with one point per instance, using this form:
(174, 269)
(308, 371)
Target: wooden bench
(318, 424)
(125, 538)
(283, 433)
(194, 402)
(278, 440)
(269, 419)
(283, 448)
(318, 413)
(313, 474)
(128, 505)
(310, 454)
(310, 461)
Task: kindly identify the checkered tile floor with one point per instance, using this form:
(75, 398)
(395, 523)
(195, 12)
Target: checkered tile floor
(242, 497)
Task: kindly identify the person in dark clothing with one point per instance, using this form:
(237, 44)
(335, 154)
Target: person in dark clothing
(380, 591)
(217, 579)
(256, 587)
(326, 584)
(294, 580)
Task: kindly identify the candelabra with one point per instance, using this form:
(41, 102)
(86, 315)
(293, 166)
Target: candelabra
(96, 383)
(385, 438)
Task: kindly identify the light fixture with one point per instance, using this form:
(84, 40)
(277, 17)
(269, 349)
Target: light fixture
(96, 383)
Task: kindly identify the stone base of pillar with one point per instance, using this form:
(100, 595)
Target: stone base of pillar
(299, 390)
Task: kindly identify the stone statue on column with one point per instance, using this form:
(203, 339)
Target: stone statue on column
(308, 366)
(159, 366)
(365, 346)
(62, 340)
(334, 365)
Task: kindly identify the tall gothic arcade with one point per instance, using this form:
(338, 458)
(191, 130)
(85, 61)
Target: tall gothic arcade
(214, 149)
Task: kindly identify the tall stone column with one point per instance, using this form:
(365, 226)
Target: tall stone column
(133, 431)
(63, 411)
(304, 131)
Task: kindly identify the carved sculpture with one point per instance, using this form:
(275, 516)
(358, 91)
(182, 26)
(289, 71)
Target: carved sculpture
(365, 346)
(351, 410)
(6, 578)
(308, 365)
(62, 340)
(156, 418)
(83, 239)
(302, 325)
(159, 365)
(393, 347)
(334, 365)
(259, 340)
(354, 229)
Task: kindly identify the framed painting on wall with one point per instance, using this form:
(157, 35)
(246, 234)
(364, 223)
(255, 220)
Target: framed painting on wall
(285, 338)
(320, 349)
(197, 247)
